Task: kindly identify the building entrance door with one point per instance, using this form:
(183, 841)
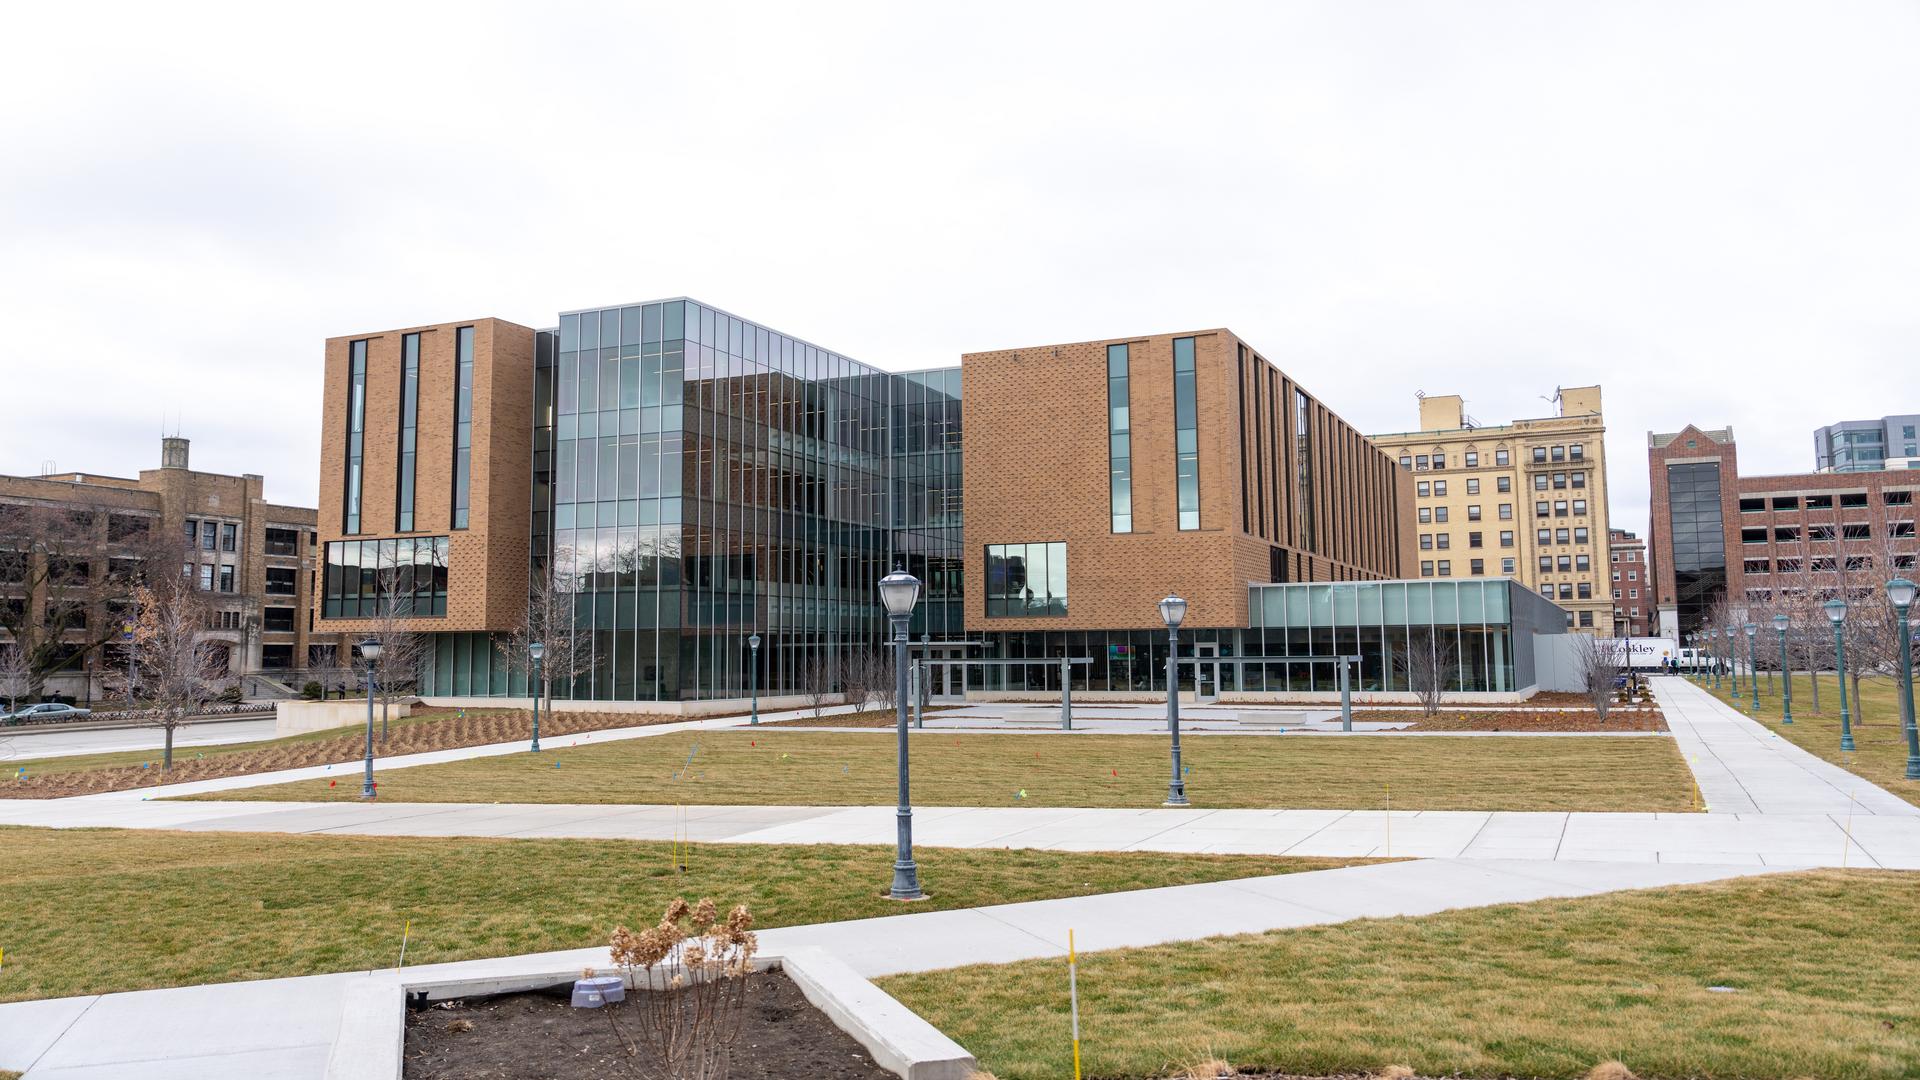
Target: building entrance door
(948, 675)
(1206, 671)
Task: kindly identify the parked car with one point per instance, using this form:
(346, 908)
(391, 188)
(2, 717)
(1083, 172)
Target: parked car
(45, 712)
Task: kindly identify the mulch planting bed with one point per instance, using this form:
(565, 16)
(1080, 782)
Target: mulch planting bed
(871, 718)
(444, 732)
(539, 1036)
(1521, 720)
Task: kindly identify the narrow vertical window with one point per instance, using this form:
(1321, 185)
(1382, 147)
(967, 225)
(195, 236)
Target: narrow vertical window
(409, 428)
(1303, 457)
(462, 425)
(1186, 434)
(356, 430)
(1119, 439)
(1246, 481)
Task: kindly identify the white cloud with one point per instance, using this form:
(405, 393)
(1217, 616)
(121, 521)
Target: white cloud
(1707, 208)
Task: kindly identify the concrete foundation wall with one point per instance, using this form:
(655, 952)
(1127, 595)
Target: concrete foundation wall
(690, 709)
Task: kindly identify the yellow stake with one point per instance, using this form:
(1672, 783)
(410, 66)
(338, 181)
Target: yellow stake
(404, 931)
(1073, 996)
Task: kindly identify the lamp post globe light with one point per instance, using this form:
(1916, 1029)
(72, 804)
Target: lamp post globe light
(1900, 593)
(1836, 610)
(1753, 672)
(753, 674)
(1173, 611)
(536, 650)
(1786, 674)
(370, 650)
(899, 593)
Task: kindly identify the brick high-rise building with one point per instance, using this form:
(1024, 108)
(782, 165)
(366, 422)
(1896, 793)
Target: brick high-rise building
(1525, 500)
(1717, 533)
(1632, 583)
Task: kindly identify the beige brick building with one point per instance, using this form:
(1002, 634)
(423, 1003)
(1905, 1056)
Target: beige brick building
(253, 559)
(1526, 500)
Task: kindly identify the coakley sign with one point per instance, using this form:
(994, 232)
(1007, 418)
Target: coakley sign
(1645, 651)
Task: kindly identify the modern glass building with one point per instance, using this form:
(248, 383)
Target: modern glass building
(698, 478)
(1487, 626)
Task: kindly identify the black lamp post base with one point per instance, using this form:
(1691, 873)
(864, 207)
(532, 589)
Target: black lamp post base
(906, 883)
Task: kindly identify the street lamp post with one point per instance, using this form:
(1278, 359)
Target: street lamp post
(370, 652)
(1713, 655)
(899, 593)
(1786, 676)
(1900, 591)
(1172, 611)
(753, 674)
(1753, 673)
(1733, 654)
(536, 650)
(1836, 610)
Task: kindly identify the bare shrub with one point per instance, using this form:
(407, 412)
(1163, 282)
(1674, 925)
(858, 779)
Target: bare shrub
(691, 968)
(1600, 663)
(1210, 1068)
(1426, 663)
(16, 675)
(817, 678)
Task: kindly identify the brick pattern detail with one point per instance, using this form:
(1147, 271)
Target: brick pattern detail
(1036, 468)
(486, 562)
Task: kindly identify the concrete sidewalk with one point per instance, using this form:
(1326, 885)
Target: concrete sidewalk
(1744, 767)
(283, 1029)
(1744, 839)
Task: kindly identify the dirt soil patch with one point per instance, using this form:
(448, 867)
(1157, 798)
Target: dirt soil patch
(1523, 720)
(539, 1036)
(454, 729)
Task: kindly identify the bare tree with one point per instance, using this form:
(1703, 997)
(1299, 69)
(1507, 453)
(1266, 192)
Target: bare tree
(402, 651)
(880, 678)
(817, 678)
(1600, 663)
(176, 672)
(16, 675)
(553, 620)
(1427, 663)
(71, 571)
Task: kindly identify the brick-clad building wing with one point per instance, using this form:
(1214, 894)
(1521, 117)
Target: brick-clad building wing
(1717, 533)
(426, 454)
(1101, 475)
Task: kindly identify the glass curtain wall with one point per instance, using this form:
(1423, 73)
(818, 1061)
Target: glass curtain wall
(699, 478)
(1699, 540)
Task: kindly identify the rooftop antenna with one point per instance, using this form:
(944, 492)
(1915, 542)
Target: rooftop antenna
(1553, 401)
(48, 466)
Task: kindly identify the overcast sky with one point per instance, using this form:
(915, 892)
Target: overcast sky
(1708, 208)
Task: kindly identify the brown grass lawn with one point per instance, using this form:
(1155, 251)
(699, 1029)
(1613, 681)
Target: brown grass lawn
(857, 768)
(98, 910)
(438, 729)
(1822, 965)
(1881, 754)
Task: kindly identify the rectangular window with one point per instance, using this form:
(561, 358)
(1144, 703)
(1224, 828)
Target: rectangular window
(1473, 513)
(1026, 580)
(1584, 590)
(462, 425)
(1506, 538)
(1440, 513)
(1426, 568)
(1506, 511)
(1426, 514)
(1119, 439)
(1503, 483)
(1501, 457)
(1582, 563)
(1543, 537)
(1540, 509)
(1507, 566)
(226, 578)
(1586, 619)
(1579, 507)
(1186, 433)
(1478, 567)
(1577, 451)
(1559, 453)
(1473, 485)
(1426, 541)
(1546, 564)
(1443, 540)
(1439, 487)
(1473, 539)
(1580, 534)
(1540, 454)
(206, 577)
(277, 620)
(1423, 489)
(364, 576)
(193, 532)
(1446, 568)
(409, 429)
(1566, 564)
(209, 531)
(1560, 508)
(283, 541)
(1560, 536)
(229, 537)
(1439, 461)
(1473, 459)
(1303, 455)
(281, 581)
(356, 430)
(1819, 502)
(1579, 479)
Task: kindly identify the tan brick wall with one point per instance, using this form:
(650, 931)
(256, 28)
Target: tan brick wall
(1036, 469)
(487, 561)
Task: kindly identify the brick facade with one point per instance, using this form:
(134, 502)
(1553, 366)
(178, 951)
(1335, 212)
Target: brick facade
(1036, 469)
(487, 561)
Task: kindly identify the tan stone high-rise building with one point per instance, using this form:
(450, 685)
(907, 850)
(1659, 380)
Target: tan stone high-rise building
(1526, 500)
